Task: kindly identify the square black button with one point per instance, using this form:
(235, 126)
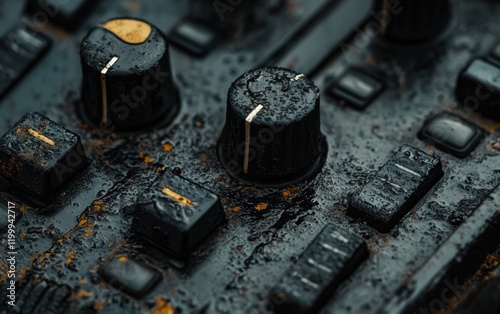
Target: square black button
(452, 134)
(356, 88)
(40, 155)
(175, 215)
(194, 37)
(478, 88)
(129, 275)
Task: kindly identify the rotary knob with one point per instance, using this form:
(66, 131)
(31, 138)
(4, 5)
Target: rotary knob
(413, 21)
(127, 78)
(228, 17)
(272, 134)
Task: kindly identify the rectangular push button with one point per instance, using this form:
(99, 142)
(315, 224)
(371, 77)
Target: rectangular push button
(452, 134)
(194, 37)
(40, 155)
(356, 88)
(129, 275)
(19, 50)
(332, 256)
(175, 215)
(396, 188)
(478, 88)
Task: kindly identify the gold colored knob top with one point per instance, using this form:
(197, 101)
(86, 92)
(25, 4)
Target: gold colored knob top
(129, 30)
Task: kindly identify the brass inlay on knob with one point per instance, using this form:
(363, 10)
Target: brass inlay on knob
(129, 30)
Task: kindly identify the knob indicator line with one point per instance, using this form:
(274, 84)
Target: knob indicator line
(104, 88)
(296, 78)
(248, 125)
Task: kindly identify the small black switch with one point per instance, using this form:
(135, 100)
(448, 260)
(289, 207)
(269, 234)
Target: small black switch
(129, 275)
(40, 155)
(396, 188)
(20, 49)
(194, 37)
(356, 88)
(478, 88)
(332, 256)
(175, 215)
(452, 134)
(68, 14)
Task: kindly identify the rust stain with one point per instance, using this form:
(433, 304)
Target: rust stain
(162, 307)
(146, 158)
(290, 192)
(89, 230)
(82, 294)
(99, 306)
(493, 128)
(83, 222)
(71, 257)
(261, 206)
(167, 147)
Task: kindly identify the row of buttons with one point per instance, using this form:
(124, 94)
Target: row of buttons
(331, 257)
(478, 86)
(446, 131)
(39, 155)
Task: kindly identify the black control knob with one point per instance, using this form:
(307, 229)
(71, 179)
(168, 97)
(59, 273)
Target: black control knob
(413, 21)
(272, 134)
(228, 17)
(127, 79)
